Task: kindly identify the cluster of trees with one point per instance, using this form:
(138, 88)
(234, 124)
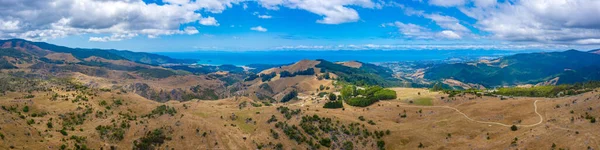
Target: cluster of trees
(289, 96)
(321, 132)
(6, 65)
(156, 73)
(360, 101)
(267, 77)
(334, 104)
(325, 76)
(366, 75)
(367, 96)
(113, 132)
(550, 91)
(291, 131)
(10, 52)
(160, 110)
(309, 71)
(334, 101)
(251, 77)
(152, 139)
(287, 112)
(590, 117)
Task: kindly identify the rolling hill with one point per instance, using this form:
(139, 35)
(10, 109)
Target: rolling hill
(596, 51)
(53, 97)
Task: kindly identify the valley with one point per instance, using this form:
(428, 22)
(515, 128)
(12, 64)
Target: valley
(56, 97)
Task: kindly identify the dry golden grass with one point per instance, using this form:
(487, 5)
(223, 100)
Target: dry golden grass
(67, 57)
(298, 66)
(430, 127)
(352, 64)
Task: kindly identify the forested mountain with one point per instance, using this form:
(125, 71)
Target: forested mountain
(82, 53)
(569, 66)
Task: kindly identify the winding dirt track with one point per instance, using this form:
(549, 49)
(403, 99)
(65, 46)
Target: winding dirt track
(484, 122)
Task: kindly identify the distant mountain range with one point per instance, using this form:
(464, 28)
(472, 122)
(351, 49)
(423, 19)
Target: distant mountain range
(570, 66)
(82, 53)
(596, 51)
(529, 68)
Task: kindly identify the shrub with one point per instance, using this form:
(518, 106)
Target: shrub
(272, 119)
(322, 94)
(348, 145)
(103, 103)
(325, 142)
(26, 109)
(381, 144)
(371, 122)
(513, 128)
(275, 134)
(361, 118)
(64, 132)
(334, 104)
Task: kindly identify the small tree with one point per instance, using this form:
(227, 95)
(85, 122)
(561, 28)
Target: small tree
(26, 109)
(514, 128)
(381, 144)
(332, 97)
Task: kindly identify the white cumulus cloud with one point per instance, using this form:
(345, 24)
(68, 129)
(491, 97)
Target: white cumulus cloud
(114, 37)
(209, 21)
(259, 29)
(46, 19)
(265, 16)
(542, 21)
(447, 22)
(190, 30)
(333, 11)
(449, 34)
(447, 3)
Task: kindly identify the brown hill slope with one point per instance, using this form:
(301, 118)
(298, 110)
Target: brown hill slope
(100, 118)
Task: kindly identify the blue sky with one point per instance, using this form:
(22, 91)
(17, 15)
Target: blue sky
(241, 25)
